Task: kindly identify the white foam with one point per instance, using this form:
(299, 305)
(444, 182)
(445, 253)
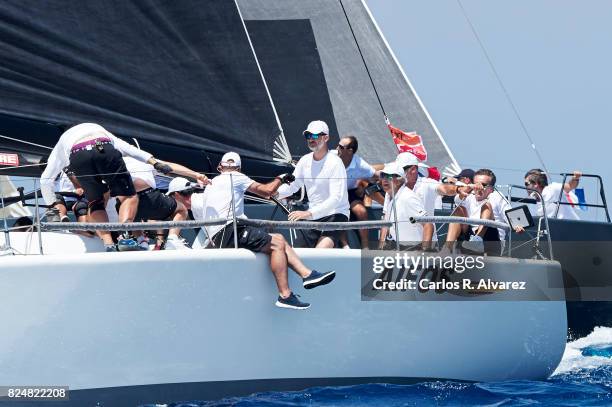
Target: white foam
(574, 360)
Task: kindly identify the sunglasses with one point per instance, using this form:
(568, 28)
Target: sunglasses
(486, 185)
(313, 136)
(341, 147)
(388, 176)
(529, 183)
(187, 192)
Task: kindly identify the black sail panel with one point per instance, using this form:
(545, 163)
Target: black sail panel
(169, 72)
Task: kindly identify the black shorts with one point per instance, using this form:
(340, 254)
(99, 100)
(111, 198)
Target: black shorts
(154, 205)
(353, 196)
(310, 237)
(491, 235)
(249, 237)
(78, 207)
(101, 171)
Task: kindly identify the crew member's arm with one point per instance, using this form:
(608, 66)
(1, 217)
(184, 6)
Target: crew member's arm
(286, 190)
(447, 189)
(428, 231)
(573, 183)
(186, 172)
(131, 151)
(55, 163)
(77, 185)
(269, 189)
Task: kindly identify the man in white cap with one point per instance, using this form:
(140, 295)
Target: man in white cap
(225, 192)
(324, 177)
(401, 203)
(427, 189)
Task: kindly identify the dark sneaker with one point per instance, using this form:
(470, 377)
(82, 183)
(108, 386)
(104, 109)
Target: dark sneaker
(127, 245)
(291, 302)
(316, 279)
(110, 249)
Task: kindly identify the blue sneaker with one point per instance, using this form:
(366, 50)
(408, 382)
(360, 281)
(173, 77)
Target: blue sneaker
(291, 302)
(110, 248)
(127, 245)
(316, 279)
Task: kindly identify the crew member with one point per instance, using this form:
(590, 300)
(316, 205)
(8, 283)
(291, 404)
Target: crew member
(154, 205)
(483, 203)
(427, 189)
(357, 171)
(225, 192)
(406, 203)
(324, 177)
(95, 157)
(536, 179)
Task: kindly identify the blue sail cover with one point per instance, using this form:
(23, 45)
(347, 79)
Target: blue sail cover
(178, 73)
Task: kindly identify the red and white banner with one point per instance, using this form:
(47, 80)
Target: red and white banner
(9, 160)
(408, 142)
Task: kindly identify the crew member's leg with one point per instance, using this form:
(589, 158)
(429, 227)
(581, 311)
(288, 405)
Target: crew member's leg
(361, 213)
(278, 263)
(456, 229)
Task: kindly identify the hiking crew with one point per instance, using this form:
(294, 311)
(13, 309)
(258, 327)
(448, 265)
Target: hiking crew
(95, 157)
(324, 177)
(358, 173)
(536, 179)
(226, 192)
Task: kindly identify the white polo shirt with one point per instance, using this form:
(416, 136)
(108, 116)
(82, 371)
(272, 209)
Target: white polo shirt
(408, 204)
(498, 204)
(358, 169)
(216, 201)
(550, 194)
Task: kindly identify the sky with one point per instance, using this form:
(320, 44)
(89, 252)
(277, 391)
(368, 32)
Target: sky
(553, 59)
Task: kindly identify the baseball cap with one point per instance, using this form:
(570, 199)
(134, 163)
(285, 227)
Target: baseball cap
(317, 127)
(230, 156)
(180, 184)
(393, 168)
(407, 159)
(466, 173)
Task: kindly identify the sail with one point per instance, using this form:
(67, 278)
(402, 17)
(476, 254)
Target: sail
(190, 79)
(169, 72)
(314, 71)
(16, 210)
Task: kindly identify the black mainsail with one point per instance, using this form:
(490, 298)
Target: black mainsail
(189, 77)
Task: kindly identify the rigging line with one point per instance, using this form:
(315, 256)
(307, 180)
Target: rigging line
(364, 62)
(25, 142)
(501, 84)
(284, 154)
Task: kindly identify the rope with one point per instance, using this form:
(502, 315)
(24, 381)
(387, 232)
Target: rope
(186, 224)
(501, 84)
(364, 61)
(457, 219)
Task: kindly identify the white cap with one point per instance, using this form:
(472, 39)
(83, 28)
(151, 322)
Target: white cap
(231, 156)
(393, 168)
(317, 127)
(179, 184)
(406, 159)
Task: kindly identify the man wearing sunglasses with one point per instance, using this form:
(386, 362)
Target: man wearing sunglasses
(357, 171)
(403, 200)
(324, 177)
(485, 202)
(427, 189)
(537, 180)
(226, 192)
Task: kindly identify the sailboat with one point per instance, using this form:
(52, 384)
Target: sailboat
(188, 81)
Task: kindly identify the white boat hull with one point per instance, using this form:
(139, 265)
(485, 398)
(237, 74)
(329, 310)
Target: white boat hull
(205, 320)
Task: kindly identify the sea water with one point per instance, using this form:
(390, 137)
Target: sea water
(583, 378)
